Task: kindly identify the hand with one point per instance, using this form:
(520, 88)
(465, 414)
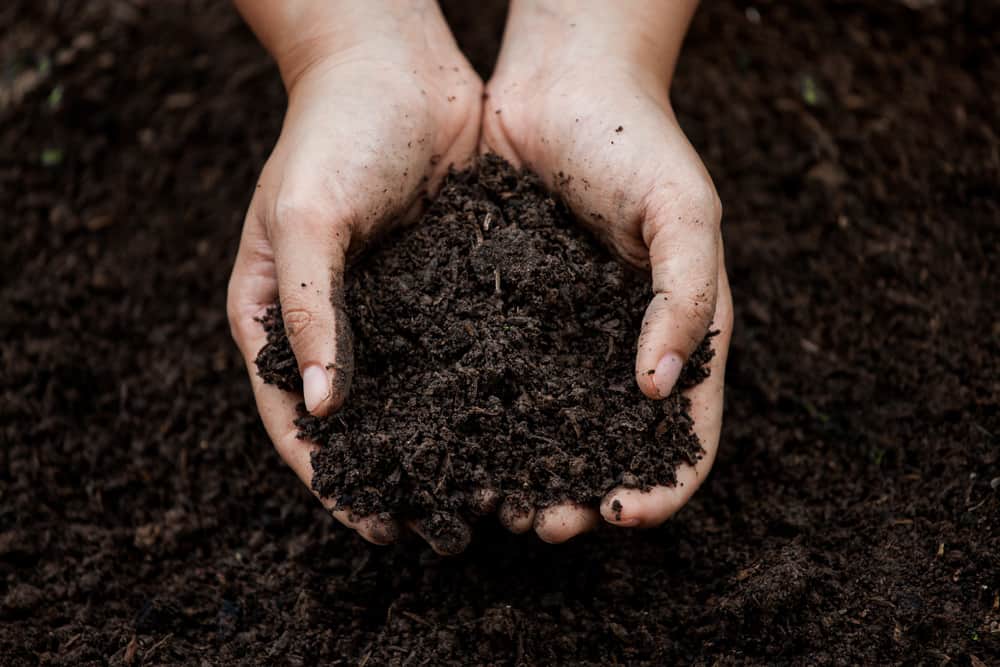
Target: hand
(372, 125)
(579, 98)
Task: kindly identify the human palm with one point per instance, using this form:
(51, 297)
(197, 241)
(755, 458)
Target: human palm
(381, 104)
(617, 156)
(366, 135)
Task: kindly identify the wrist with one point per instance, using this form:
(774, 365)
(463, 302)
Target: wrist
(301, 33)
(640, 37)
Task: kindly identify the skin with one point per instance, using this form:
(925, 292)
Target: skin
(380, 103)
(378, 89)
(582, 89)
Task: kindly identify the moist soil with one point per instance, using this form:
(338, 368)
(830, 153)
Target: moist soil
(852, 513)
(495, 345)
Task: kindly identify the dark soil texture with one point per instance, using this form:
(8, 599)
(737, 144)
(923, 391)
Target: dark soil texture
(495, 345)
(853, 513)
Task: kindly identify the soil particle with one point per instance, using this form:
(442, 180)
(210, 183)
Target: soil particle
(859, 449)
(495, 350)
(616, 507)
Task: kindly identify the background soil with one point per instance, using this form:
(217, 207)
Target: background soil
(853, 514)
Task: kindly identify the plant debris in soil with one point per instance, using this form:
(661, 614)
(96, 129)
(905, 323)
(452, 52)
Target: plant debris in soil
(495, 346)
(852, 516)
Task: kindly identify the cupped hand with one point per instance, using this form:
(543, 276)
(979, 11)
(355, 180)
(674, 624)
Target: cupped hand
(600, 130)
(369, 130)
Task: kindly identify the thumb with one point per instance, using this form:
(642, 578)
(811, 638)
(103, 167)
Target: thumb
(310, 253)
(682, 234)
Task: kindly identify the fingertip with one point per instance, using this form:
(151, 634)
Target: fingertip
(380, 529)
(615, 512)
(635, 507)
(324, 390)
(560, 523)
(516, 515)
(644, 377)
(453, 545)
(484, 501)
(657, 382)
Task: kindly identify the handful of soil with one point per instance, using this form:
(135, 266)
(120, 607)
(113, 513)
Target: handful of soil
(494, 343)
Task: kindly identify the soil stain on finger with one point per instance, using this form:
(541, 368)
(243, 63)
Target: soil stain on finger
(853, 514)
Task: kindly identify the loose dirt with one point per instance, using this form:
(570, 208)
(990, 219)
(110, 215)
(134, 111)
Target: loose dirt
(495, 346)
(852, 515)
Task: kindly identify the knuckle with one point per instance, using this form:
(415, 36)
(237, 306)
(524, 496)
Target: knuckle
(686, 204)
(299, 320)
(298, 213)
(691, 201)
(631, 249)
(703, 205)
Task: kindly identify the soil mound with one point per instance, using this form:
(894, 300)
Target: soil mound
(495, 345)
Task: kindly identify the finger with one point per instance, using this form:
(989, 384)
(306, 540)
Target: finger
(484, 501)
(278, 412)
(632, 507)
(310, 251)
(561, 522)
(252, 289)
(446, 534)
(682, 234)
(516, 515)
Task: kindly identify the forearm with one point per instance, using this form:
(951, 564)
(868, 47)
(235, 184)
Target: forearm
(646, 34)
(299, 32)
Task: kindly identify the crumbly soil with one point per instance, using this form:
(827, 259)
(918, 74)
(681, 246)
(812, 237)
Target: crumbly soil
(495, 344)
(852, 515)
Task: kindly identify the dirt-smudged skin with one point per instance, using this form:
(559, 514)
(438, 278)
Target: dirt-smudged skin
(851, 517)
(495, 350)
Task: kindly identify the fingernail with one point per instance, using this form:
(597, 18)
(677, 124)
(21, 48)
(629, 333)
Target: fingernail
(667, 372)
(616, 515)
(315, 386)
(383, 528)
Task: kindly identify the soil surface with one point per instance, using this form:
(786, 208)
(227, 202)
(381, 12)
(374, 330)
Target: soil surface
(853, 513)
(495, 344)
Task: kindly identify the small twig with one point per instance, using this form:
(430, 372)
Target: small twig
(419, 619)
(444, 472)
(496, 280)
(130, 651)
(977, 505)
(360, 566)
(156, 646)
